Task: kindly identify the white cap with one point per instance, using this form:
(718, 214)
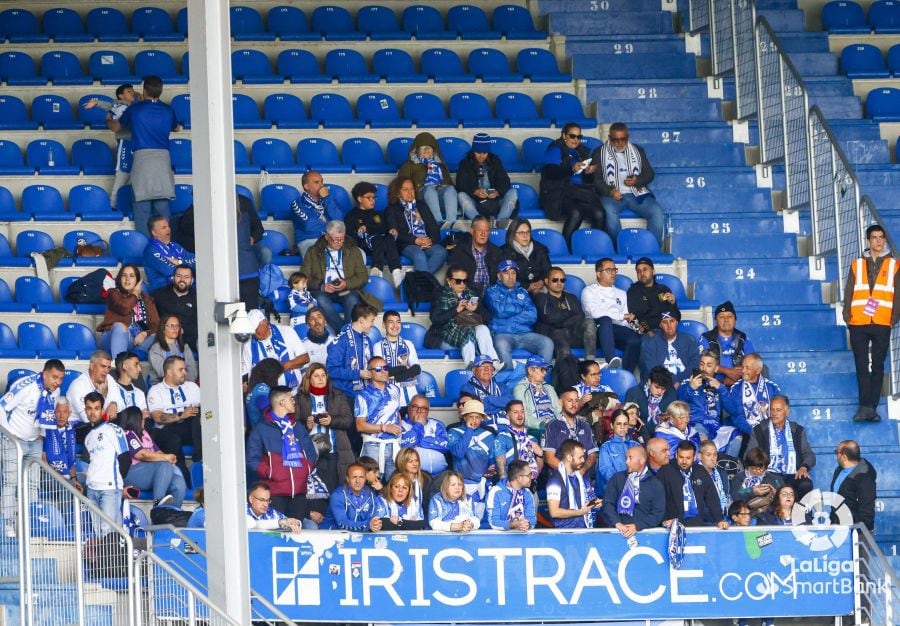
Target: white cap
(256, 317)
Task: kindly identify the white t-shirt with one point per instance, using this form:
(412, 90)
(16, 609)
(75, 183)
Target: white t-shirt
(611, 302)
(81, 387)
(318, 352)
(18, 408)
(125, 398)
(334, 265)
(622, 165)
(673, 362)
(167, 399)
(291, 340)
(104, 445)
(393, 357)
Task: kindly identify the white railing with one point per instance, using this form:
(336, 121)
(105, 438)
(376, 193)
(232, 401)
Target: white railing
(698, 15)
(878, 598)
(12, 513)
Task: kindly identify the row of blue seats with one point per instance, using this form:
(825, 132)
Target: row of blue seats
(331, 110)
(284, 22)
(847, 17)
(883, 105)
(863, 60)
(297, 66)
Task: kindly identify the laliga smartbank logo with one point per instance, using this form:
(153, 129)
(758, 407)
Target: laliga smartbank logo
(812, 523)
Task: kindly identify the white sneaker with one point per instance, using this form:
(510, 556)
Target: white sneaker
(615, 362)
(376, 272)
(397, 275)
(166, 499)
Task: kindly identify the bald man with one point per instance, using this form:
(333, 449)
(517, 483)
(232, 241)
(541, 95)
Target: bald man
(634, 499)
(658, 451)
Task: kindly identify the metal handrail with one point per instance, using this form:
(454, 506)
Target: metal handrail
(744, 36)
(698, 15)
(868, 583)
(20, 513)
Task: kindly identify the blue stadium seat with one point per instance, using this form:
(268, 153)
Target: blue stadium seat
(341, 198)
(252, 67)
(184, 197)
(591, 143)
(15, 374)
(335, 24)
(181, 104)
(128, 245)
(348, 66)
(93, 157)
(492, 66)
(415, 334)
(12, 162)
(365, 156)
(379, 23)
(181, 21)
(618, 379)
(54, 113)
(68, 377)
(332, 110)
(692, 328)
(454, 150)
(591, 244)
(893, 59)
(242, 163)
(383, 290)
(180, 154)
(91, 202)
(300, 66)
(883, 105)
(398, 150)
(49, 522)
(677, 288)
(9, 349)
(518, 110)
(9, 305)
(473, 111)
(426, 110)
(17, 68)
(844, 17)
(35, 292)
(275, 200)
(444, 66)
(396, 66)
(556, 244)
(276, 242)
(380, 110)
(290, 24)
(515, 23)
(20, 26)
(63, 68)
(28, 241)
(37, 336)
(242, 190)
(497, 236)
(8, 213)
(275, 156)
(111, 68)
(320, 155)
(76, 338)
(186, 65)
(65, 26)
(637, 242)
(533, 150)
(13, 115)
(286, 111)
(470, 22)
(43, 202)
(540, 66)
(245, 113)
(565, 107)
(528, 201)
(154, 24)
(884, 17)
(508, 153)
(427, 386)
(425, 22)
(247, 25)
(453, 383)
(94, 117)
(158, 63)
(108, 24)
(574, 285)
(863, 61)
(49, 157)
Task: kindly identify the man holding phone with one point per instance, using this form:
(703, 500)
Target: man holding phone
(570, 499)
(483, 185)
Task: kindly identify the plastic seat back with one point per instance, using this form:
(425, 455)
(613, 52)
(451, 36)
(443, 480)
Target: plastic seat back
(45, 199)
(454, 150)
(287, 21)
(271, 151)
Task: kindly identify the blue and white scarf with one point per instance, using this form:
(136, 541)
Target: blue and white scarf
(751, 397)
(516, 505)
(316, 489)
(291, 455)
(61, 441)
(577, 493)
(543, 405)
(720, 489)
(355, 363)
(677, 540)
(652, 404)
(750, 481)
(784, 461)
(611, 167)
(395, 352)
(269, 514)
(631, 493)
(46, 405)
(258, 353)
(319, 406)
(433, 177)
(316, 206)
(414, 220)
(524, 450)
(396, 509)
(690, 499)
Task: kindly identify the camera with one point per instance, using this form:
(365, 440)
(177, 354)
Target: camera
(234, 314)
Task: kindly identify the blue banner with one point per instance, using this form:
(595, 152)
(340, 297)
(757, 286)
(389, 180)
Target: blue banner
(323, 576)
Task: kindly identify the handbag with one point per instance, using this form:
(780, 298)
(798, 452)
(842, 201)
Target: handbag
(469, 318)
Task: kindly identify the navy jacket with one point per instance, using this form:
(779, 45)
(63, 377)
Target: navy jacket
(655, 350)
(648, 513)
(710, 511)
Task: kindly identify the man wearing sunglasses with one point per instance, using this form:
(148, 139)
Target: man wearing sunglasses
(377, 411)
(561, 317)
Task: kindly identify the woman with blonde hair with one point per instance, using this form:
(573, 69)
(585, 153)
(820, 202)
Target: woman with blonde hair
(452, 509)
(395, 506)
(409, 463)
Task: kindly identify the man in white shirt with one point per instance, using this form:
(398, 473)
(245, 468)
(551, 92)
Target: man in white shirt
(398, 352)
(26, 410)
(123, 391)
(98, 379)
(273, 341)
(105, 443)
(377, 413)
(261, 515)
(318, 337)
(175, 410)
(608, 306)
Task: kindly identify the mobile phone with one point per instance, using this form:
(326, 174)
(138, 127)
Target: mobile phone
(491, 190)
(336, 282)
(594, 501)
(697, 372)
(474, 299)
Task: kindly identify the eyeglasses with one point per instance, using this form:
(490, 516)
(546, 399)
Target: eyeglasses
(574, 136)
(557, 280)
(263, 500)
(173, 326)
(368, 196)
(523, 232)
(379, 368)
(418, 407)
(457, 281)
(619, 139)
(611, 270)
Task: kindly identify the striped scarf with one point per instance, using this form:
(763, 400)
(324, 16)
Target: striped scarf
(611, 167)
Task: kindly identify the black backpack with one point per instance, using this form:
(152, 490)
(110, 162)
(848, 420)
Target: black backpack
(565, 373)
(161, 515)
(88, 289)
(420, 287)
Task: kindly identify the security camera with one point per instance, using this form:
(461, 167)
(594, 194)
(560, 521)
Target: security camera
(235, 315)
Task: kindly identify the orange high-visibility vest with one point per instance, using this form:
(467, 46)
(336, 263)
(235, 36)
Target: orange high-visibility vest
(882, 292)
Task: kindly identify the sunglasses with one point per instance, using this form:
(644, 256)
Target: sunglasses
(557, 280)
(457, 281)
(574, 136)
(618, 139)
(379, 368)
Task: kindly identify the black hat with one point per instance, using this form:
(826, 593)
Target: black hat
(673, 314)
(644, 261)
(725, 307)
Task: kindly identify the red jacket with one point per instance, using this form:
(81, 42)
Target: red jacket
(264, 457)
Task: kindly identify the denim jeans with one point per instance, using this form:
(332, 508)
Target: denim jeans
(327, 302)
(507, 205)
(118, 339)
(611, 336)
(441, 199)
(31, 451)
(110, 502)
(144, 209)
(161, 476)
(373, 451)
(532, 342)
(263, 253)
(428, 260)
(646, 206)
(485, 345)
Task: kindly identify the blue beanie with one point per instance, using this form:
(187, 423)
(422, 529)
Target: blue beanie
(481, 143)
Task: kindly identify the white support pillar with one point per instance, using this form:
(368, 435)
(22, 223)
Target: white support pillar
(215, 219)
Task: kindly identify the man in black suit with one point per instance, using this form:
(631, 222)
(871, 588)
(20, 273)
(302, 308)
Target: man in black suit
(709, 459)
(854, 479)
(690, 493)
(634, 499)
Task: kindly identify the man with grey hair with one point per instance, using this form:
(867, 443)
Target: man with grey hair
(312, 211)
(98, 379)
(747, 400)
(59, 443)
(336, 272)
